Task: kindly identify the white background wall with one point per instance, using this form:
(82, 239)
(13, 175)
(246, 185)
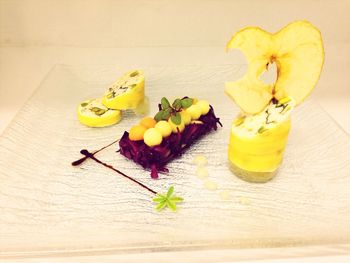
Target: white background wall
(107, 23)
(36, 34)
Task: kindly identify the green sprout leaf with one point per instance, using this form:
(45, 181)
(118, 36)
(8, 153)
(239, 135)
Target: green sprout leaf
(165, 103)
(168, 200)
(186, 103)
(170, 191)
(161, 205)
(167, 113)
(177, 104)
(176, 118)
(159, 116)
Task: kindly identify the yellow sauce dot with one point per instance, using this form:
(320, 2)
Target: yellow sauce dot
(152, 137)
(200, 160)
(148, 122)
(164, 128)
(136, 132)
(244, 200)
(202, 172)
(210, 185)
(225, 195)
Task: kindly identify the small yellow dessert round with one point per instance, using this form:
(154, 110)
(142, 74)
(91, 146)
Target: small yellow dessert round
(137, 132)
(164, 128)
(93, 114)
(186, 117)
(195, 111)
(204, 105)
(152, 137)
(148, 122)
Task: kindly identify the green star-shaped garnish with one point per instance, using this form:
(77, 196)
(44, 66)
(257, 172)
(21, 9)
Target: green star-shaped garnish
(168, 200)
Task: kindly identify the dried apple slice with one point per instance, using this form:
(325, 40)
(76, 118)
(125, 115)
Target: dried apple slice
(297, 50)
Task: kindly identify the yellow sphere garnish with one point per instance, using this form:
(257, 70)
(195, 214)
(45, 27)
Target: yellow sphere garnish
(186, 117)
(137, 132)
(164, 128)
(148, 122)
(195, 111)
(152, 137)
(204, 105)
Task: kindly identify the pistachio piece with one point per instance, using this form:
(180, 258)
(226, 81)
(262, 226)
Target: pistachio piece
(100, 112)
(134, 74)
(110, 95)
(84, 104)
(95, 109)
(262, 129)
(239, 121)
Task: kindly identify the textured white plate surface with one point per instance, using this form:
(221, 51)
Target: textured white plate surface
(48, 206)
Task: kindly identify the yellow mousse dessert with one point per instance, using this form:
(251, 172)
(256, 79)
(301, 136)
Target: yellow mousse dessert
(259, 135)
(258, 141)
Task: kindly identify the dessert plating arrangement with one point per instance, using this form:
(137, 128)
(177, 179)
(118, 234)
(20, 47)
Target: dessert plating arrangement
(259, 134)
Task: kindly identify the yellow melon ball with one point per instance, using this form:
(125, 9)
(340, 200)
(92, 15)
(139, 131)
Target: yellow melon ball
(195, 111)
(186, 117)
(137, 132)
(164, 128)
(204, 105)
(148, 122)
(177, 128)
(152, 137)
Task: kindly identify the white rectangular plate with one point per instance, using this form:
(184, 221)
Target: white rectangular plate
(48, 206)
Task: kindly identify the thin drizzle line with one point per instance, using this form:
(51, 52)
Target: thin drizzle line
(83, 159)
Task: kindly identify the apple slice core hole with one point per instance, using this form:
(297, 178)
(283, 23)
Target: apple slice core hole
(269, 76)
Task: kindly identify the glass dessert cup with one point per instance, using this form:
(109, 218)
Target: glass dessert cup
(256, 157)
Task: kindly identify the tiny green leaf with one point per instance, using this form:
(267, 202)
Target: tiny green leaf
(167, 200)
(84, 104)
(171, 205)
(161, 205)
(186, 102)
(177, 104)
(166, 114)
(159, 116)
(170, 191)
(165, 103)
(176, 118)
(176, 199)
(158, 199)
